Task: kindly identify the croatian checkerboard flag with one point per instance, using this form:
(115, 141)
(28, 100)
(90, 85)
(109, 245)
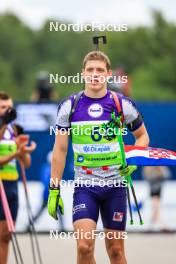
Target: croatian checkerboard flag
(149, 156)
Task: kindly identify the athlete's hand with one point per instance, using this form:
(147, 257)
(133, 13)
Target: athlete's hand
(23, 149)
(22, 139)
(127, 171)
(31, 148)
(55, 202)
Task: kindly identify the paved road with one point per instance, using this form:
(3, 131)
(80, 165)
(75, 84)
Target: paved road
(140, 249)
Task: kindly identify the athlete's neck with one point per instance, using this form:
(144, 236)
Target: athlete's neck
(95, 94)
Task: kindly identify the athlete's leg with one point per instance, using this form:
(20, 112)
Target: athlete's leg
(155, 192)
(115, 246)
(155, 209)
(85, 216)
(85, 241)
(113, 212)
(4, 241)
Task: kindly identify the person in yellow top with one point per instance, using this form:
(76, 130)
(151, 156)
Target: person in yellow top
(13, 147)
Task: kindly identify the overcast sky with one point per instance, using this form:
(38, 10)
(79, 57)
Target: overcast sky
(131, 12)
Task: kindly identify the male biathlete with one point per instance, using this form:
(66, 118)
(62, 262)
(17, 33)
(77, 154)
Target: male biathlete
(12, 147)
(96, 158)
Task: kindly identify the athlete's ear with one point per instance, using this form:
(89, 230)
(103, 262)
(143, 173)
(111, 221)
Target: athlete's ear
(82, 73)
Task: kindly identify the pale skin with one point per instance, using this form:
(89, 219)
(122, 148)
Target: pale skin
(85, 247)
(22, 154)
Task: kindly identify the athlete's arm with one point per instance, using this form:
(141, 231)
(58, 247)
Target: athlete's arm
(25, 156)
(26, 159)
(61, 142)
(21, 153)
(141, 136)
(55, 202)
(134, 122)
(59, 157)
(5, 159)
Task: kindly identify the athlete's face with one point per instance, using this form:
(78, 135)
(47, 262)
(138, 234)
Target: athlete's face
(95, 75)
(5, 105)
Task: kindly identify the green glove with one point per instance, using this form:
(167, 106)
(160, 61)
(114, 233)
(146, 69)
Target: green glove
(127, 171)
(55, 202)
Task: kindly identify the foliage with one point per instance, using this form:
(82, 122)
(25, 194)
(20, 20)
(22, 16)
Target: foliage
(148, 54)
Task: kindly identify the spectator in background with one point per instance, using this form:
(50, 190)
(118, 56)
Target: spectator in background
(156, 175)
(44, 91)
(121, 83)
(7, 117)
(13, 147)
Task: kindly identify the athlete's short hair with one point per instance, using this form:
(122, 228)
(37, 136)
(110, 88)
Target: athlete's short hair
(97, 55)
(4, 96)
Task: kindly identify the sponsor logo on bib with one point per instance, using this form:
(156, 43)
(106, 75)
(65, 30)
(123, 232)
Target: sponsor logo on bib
(92, 149)
(80, 158)
(78, 208)
(95, 110)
